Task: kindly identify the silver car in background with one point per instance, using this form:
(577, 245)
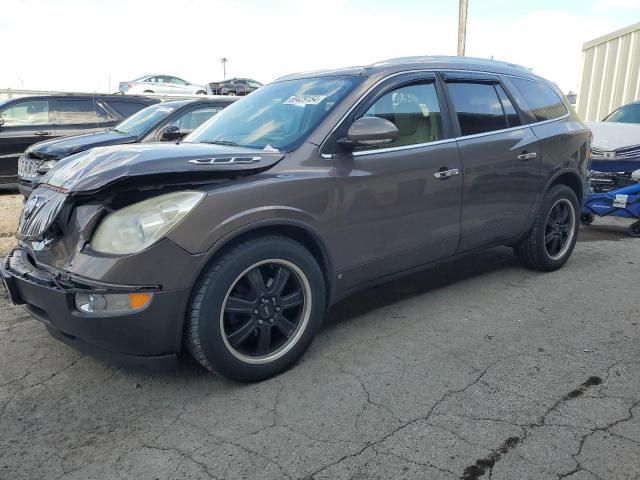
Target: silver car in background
(161, 84)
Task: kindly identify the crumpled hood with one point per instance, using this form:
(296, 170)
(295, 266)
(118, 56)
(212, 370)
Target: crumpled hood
(155, 163)
(63, 147)
(609, 136)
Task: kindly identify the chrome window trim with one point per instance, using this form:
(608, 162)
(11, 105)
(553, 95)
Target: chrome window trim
(403, 147)
(446, 140)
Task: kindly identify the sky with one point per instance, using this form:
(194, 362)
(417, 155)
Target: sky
(91, 45)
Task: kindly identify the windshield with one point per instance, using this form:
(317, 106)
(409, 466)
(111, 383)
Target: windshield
(145, 119)
(626, 114)
(278, 116)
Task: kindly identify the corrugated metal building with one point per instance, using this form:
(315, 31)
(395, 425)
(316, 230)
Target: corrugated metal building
(610, 73)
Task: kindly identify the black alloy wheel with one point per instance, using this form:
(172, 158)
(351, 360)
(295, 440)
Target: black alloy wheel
(263, 310)
(554, 231)
(560, 228)
(256, 308)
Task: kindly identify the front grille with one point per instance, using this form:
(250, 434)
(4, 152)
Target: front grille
(39, 213)
(27, 167)
(624, 152)
(628, 152)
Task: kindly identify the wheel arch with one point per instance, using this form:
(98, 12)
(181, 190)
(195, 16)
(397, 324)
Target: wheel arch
(566, 176)
(570, 178)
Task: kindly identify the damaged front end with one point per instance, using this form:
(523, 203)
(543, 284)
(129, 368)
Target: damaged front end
(93, 261)
(61, 216)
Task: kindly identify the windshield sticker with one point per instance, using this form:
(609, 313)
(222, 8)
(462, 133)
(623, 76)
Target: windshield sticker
(302, 100)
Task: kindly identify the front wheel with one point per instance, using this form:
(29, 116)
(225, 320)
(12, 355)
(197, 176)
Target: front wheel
(551, 240)
(634, 229)
(256, 309)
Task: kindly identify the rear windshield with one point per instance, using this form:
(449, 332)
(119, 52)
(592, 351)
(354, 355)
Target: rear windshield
(278, 116)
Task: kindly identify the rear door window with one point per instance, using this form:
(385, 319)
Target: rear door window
(26, 113)
(80, 111)
(478, 107)
(513, 119)
(541, 100)
(125, 109)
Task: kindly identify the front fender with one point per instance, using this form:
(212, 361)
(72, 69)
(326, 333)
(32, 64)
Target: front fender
(306, 201)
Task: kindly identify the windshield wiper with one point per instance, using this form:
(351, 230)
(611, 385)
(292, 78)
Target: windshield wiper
(118, 131)
(222, 142)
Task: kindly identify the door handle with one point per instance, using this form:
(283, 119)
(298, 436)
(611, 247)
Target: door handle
(527, 155)
(42, 133)
(444, 173)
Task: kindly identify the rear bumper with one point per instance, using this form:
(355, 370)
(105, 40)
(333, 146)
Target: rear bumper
(150, 337)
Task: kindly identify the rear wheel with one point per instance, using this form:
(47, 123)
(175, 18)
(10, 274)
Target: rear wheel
(256, 309)
(634, 229)
(551, 240)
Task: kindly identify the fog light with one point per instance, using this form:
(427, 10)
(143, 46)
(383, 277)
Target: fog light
(111, 302)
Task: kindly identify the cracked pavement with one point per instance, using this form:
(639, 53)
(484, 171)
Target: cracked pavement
(473, 369)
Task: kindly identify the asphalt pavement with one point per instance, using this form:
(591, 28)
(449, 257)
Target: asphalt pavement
(474, 369)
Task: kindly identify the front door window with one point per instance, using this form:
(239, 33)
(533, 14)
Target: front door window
(414, 110)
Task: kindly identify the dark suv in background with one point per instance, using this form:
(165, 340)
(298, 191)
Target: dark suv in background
(235, 241)
(233, 86)
(25, 121)
(161, 122)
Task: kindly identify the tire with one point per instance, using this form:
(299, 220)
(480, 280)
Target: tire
(586, 218)
(634, 229)
(227, 320)
(536, 251)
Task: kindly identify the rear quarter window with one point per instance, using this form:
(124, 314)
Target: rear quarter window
(126, 109)
(541, 100)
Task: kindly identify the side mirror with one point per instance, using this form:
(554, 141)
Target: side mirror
(370, 131)
(170, 134)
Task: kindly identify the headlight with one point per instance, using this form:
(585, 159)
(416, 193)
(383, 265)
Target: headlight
(44, 167)
(138, 226)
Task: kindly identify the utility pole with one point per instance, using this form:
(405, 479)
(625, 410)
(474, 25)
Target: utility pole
(462, 27)
(224, 61)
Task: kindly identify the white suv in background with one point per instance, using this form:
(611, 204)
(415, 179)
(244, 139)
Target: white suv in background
(161, 84)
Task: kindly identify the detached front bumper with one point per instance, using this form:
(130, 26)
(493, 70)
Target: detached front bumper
(25, 188)
(149, 337)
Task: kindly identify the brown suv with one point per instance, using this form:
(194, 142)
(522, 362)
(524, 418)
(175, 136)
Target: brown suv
(235, 241)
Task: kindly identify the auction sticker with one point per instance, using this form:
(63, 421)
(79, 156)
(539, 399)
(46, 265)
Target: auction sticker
(620, 201)
(303, 100)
